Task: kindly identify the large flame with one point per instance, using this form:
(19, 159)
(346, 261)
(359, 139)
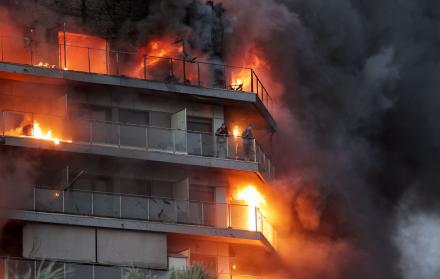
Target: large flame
(37, 132)
(241, 79)
(253, 200)
(162, 49)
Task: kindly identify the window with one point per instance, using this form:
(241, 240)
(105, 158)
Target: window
(160, 119)
(199, 124)
(202, 193)
(87, 111)
(134, 117)
(162, 189)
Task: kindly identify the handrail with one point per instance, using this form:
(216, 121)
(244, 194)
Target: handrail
(135, 196)
(188, 142)
(59, 204)
(252, 86)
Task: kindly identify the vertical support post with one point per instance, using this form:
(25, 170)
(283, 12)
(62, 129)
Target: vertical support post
(88, 58)
(252, 80)
(184, 70)
(229, 215)
(256, 218)
(224, 77)
(145, 67)
(6, 268)
(227, 147)
(120, 206)
(93, 204)
(146, 139)
(201, 145)
(171, 68)
(107, 54)
(174, 140)
(119, 135)
(35, 269)
(35, 198)
(117, 63)
(148, 209)
(255, 149)
(176, 210)
(65, 46)
(198, 73)
(203, 214)
(258, 84)
(63, 200)
(91, 132)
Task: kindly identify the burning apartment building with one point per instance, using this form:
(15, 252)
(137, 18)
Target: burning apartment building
(130, 165)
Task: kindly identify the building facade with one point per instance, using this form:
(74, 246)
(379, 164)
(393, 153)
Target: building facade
(127, 168)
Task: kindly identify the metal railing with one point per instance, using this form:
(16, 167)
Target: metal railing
(236, 276)
(136, 207)
(133, 65)
(15, 268)
(138, 137)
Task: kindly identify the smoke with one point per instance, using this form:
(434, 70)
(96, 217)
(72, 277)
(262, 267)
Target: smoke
(358, 131)
(17, 177)
(356, 84)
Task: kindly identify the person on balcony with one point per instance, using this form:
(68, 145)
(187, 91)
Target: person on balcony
(222, 135)
(248, 143)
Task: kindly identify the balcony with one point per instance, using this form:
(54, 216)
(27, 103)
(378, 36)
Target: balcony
(27, 268)
(144, 139)
(68, 57)
(154, 209)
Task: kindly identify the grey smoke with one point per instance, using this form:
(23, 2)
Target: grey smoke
(358, 113)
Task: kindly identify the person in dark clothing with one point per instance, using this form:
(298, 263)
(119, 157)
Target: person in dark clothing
(248, 143)
(222, 135)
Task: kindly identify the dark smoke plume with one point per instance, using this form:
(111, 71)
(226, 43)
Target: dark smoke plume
(358, 111)
(356, 84)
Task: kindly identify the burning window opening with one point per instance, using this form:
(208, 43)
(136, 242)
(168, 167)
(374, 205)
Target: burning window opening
(253, 199)
(161, 60)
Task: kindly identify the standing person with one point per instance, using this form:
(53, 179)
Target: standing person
(248, 142)
(222, 135)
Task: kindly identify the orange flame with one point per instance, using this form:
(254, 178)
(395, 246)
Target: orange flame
(35, 131)
(162, 49)
(253, 200)
(235, 132)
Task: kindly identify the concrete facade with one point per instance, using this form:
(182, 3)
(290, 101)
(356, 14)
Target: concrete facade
(130, 248)
(44, 241)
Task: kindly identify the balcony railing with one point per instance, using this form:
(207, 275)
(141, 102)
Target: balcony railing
(133, 65)
(137, 137)
(14, 268)
(135, 207)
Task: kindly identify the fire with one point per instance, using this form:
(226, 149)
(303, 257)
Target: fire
(35, 131)
(253, 200)
(241, 79)
(162, 49)
(45, 65)
(235, 132)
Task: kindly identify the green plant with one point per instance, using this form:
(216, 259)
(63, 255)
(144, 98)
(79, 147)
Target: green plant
(44, 271)
(134, 273)
(194, 272)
